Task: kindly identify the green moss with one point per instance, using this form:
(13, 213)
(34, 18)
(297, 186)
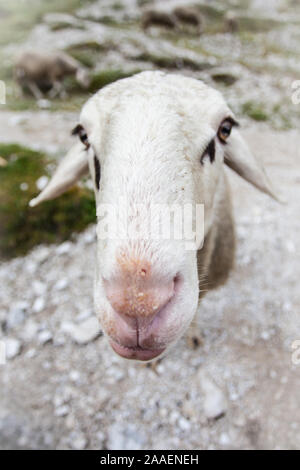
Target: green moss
(59, 26)
(167, 62)
(254, 111)
(256, 24)
(100, 79)
(22, 227)
(117, 6)
(225, 78)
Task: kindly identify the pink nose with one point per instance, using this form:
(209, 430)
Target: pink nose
(140, 302)
(137, 297)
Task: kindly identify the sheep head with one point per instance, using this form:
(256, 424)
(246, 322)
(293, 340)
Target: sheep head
(152, 141)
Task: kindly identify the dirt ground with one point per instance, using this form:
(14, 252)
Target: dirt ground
(237, 389)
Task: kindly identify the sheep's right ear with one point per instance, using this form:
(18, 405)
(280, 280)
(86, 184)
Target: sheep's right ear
(69, 171)
(241, 160)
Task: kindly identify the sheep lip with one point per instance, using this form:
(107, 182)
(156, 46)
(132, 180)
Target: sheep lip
(135, 353)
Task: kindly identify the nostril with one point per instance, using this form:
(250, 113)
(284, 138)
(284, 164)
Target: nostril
(141, 300)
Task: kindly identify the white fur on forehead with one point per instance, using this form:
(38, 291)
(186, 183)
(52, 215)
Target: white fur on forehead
(192, 97)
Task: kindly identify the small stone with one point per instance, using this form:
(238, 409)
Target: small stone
(214, 404)
(78, 441)
(188, 408)
(83, 316)
(124, 438)
(224, 439)
(174, 417)
(41, 255)
(103, 397)
(100, 438)
(62, 410)
(61, 284)
(29, 332)
(184, 424)
(74, 376)
(31, 353)
(39, 288)
(163, 412)
(44, 337)
(265, 335)
(39, 305)
(64, 248)
(87, 331)
(117, 373)
(16, 314)
(13, 348)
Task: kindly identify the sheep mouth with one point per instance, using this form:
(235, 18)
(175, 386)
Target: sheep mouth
(146, 343)
(136, 353)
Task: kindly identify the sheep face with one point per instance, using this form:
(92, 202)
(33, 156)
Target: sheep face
(153, 142)
(157, 149)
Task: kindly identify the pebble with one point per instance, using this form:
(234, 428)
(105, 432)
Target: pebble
(64, 248)
(61, 284)
(16, 314)
(39, 305)
(124, 438)
(184, 424)
(74, 376)
(224, 439)
(83, 316)
(77, 441)
(87, 331)
(214, 405)
(45, 337)
(29, 331)
(62, 411)
(13, 348)
(39, 288)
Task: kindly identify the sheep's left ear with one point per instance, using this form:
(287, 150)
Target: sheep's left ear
(240, 159)
(69, 171)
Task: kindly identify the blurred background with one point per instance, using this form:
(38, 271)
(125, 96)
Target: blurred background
(233, 382)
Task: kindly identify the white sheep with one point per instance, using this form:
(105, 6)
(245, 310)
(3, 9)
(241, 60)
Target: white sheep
(39, 71)
(159, 140)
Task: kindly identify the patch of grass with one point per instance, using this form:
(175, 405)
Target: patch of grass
(167, 62)
(105, 77)
(117, 6)
(22, 227)
(224, 78)
(247, 23)
(89, 52)
(85, 57)
(255, 111)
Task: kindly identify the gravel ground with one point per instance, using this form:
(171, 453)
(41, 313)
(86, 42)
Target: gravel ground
(62, 387)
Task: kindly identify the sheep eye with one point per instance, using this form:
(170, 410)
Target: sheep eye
(225, 129)
(80, 131)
